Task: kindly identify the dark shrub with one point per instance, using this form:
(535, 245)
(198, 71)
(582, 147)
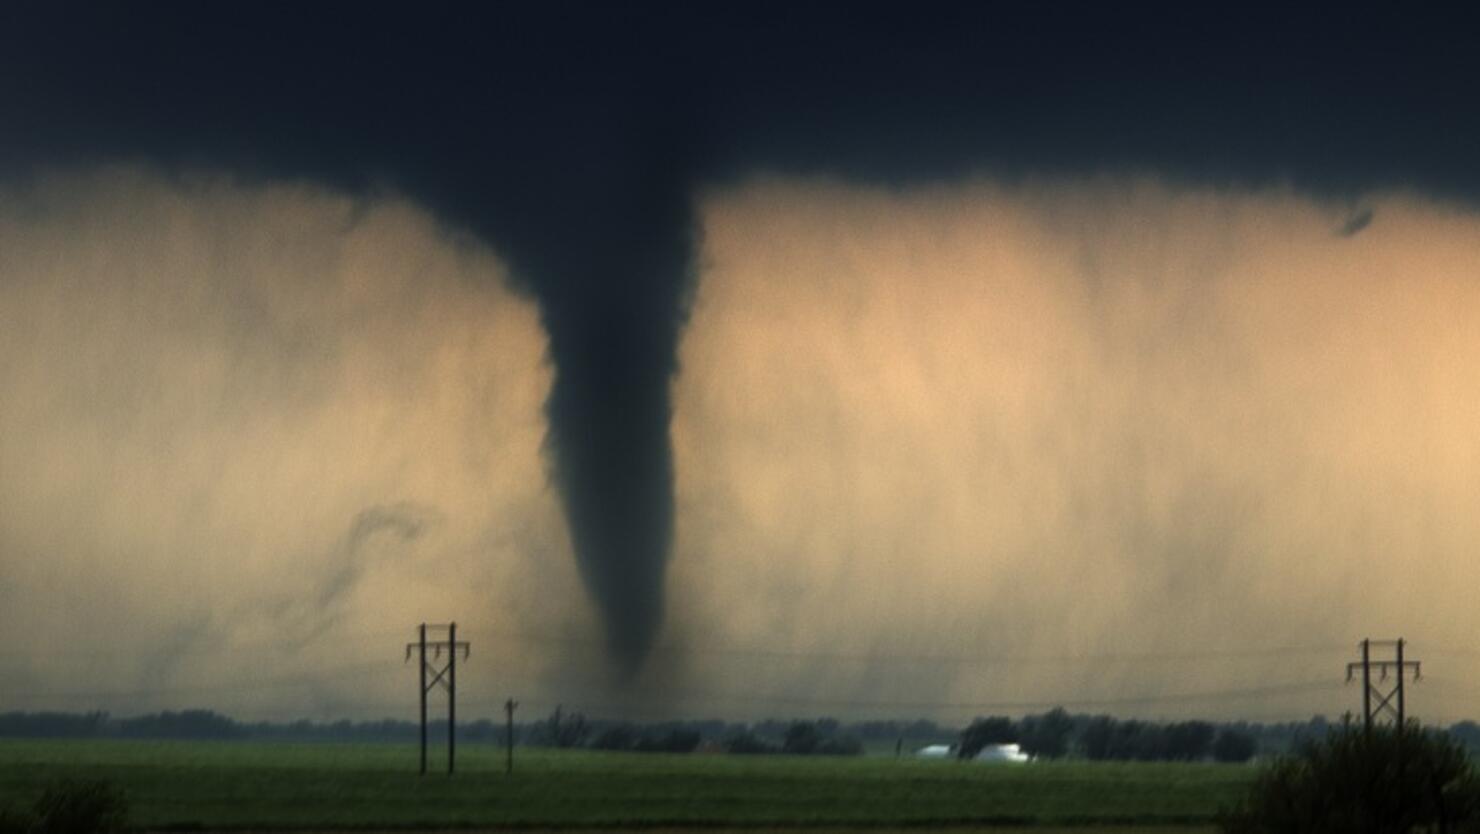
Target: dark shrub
(14, 822)
(1046, 736)
(674, 740)
(1188, 741)
(819, 738)
(561, 729)
(802, 738)
(80, 808)
(840, 746)
(619, 737)
(1098, 738)
(1234, 746)
(190, 723)
(53, 724)
(1354, 782)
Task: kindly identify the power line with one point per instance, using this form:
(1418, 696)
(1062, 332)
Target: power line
(700, 698)
(731, 649)
(676, 704)
(287, 646)
(694, 697)
(901, 657)
(356, 669)
(734, 651)
(709, 698)
(691, 699)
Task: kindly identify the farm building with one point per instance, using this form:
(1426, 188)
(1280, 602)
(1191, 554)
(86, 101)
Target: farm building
(991, 754)
(1002, 754)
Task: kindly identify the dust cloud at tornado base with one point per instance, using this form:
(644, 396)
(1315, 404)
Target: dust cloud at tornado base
(265, 429)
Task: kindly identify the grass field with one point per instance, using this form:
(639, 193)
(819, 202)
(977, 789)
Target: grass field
(282, 786)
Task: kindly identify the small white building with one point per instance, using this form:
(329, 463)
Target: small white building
(936, 751)
(1002, 754)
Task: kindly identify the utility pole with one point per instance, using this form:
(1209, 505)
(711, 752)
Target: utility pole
(1391, 699)
(445, 675)
(509, 706)
(451, 695)
(423, 664)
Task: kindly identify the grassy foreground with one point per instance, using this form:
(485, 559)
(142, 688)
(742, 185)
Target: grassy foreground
(287, 786)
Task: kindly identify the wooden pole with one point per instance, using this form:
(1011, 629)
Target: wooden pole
(509, 706)
(451, 695)
(1367, 686)
(423, 658)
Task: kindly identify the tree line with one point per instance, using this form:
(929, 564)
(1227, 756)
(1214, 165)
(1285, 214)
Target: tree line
(1057, 734)
(823, 736)
(1049, 735)
(561, 728)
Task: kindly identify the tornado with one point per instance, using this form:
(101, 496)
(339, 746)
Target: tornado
(613, 273)
(612, 464)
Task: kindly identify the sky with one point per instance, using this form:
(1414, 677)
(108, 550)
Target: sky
(736, 363)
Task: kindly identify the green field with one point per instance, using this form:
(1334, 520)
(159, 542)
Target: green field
(279, 786)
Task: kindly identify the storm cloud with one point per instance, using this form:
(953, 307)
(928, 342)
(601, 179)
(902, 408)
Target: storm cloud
(577, 142)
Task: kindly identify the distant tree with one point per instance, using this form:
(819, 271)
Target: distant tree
(561, 729)
(191, 723)
(481, 730)
(1234, 746)
(53, 724)
(748, 742)
(770, 728)
(1098, 738)
(924, 729)
(876, 730)
(984, 731)
(840, 745)
(1316, 729)
(710, 728)
(616, 737)
(1187, 741)
(1105, 739)
(668, 740)
(1468, 734)
(1135, 740)
(822, 738)
(1047, 735)
(802, 738)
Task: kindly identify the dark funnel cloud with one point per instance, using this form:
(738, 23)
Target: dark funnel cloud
(613, 300)
(574, 139)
